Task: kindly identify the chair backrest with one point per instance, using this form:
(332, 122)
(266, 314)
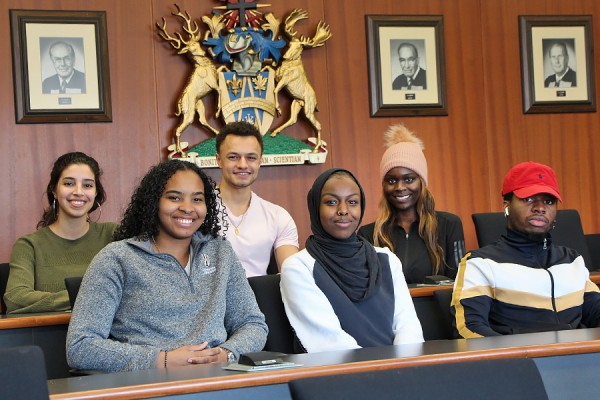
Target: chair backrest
(431, 317)
(488, 379)
(23, 373)
(593, 244)
(489, 227)
(444, 298)
(268, 297)
(73, 284)
(568, 231)
(272, 268)
(4, 271)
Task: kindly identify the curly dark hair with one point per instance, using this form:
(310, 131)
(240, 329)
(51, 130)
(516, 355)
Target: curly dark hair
(141, 221)
(63, 162)
(240, 128)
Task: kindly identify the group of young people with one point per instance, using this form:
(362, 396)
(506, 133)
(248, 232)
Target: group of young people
(168, 285)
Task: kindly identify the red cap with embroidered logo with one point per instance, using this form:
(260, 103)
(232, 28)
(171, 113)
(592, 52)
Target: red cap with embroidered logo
(529, 178)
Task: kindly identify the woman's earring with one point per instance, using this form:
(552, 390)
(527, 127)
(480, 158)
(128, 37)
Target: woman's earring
(54, 208)
(506, 212)
(553, 224)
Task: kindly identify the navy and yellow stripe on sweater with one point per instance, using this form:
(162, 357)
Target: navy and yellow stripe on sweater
(519, 286)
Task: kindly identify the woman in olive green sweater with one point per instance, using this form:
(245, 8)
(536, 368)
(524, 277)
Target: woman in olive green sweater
(65, 242)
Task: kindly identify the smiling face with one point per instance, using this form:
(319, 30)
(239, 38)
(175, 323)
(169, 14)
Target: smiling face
(409, 61)
(532, 216)
(239, 159)
(182, 207)
(401, 188)
(75, 191)
(340, 208)
(63, 59)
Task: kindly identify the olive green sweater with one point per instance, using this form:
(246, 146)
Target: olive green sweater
(41, 261)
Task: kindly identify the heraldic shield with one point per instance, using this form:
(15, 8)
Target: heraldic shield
(248, 98)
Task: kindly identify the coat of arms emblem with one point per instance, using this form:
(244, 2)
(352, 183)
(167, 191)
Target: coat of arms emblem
(247, 58)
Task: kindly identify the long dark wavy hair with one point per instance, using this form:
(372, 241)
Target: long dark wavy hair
(140, 219)
(63, 162)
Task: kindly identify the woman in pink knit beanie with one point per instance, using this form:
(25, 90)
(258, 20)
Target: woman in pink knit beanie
(428, 242)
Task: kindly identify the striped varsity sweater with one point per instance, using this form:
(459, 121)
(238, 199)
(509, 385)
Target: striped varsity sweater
(519, 286)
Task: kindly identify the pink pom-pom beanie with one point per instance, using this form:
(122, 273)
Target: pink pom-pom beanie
(404, 150)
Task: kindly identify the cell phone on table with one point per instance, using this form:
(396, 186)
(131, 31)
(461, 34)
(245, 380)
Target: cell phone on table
(438, 280)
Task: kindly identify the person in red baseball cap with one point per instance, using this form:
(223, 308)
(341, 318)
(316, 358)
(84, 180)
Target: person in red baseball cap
(530, 193)
(523, 283)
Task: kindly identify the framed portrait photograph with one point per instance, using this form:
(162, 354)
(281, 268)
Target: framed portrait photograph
(60, 66)
(406, 65)
(557, 63)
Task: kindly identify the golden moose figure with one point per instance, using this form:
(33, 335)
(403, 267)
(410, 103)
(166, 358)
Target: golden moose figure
(291, 75)
(202, 81)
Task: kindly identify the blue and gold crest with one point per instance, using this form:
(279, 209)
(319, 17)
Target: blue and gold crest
(242, 59)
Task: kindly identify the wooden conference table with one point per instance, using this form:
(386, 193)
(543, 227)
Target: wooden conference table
(49, 330)
(211, 381)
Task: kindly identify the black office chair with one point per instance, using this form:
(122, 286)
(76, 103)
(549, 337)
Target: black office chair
(593, 244)
(4, 271)
(73, 284)
(568, 232)
(268, 297)
(499, 379)
(444, 298)
(23, 373)
(432, 318)
(272, 268)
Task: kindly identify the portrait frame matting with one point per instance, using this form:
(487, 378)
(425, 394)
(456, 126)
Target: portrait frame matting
(385, 35)
(538, 35)
(32, 33)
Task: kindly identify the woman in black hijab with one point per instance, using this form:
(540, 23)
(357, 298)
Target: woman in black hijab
(340, 292)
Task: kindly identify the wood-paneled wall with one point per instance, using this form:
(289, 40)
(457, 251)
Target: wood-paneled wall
(468, 151)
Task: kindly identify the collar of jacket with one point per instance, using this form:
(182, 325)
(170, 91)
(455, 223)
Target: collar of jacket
(533, 250)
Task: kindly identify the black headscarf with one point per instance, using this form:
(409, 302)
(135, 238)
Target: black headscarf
(351, 263)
